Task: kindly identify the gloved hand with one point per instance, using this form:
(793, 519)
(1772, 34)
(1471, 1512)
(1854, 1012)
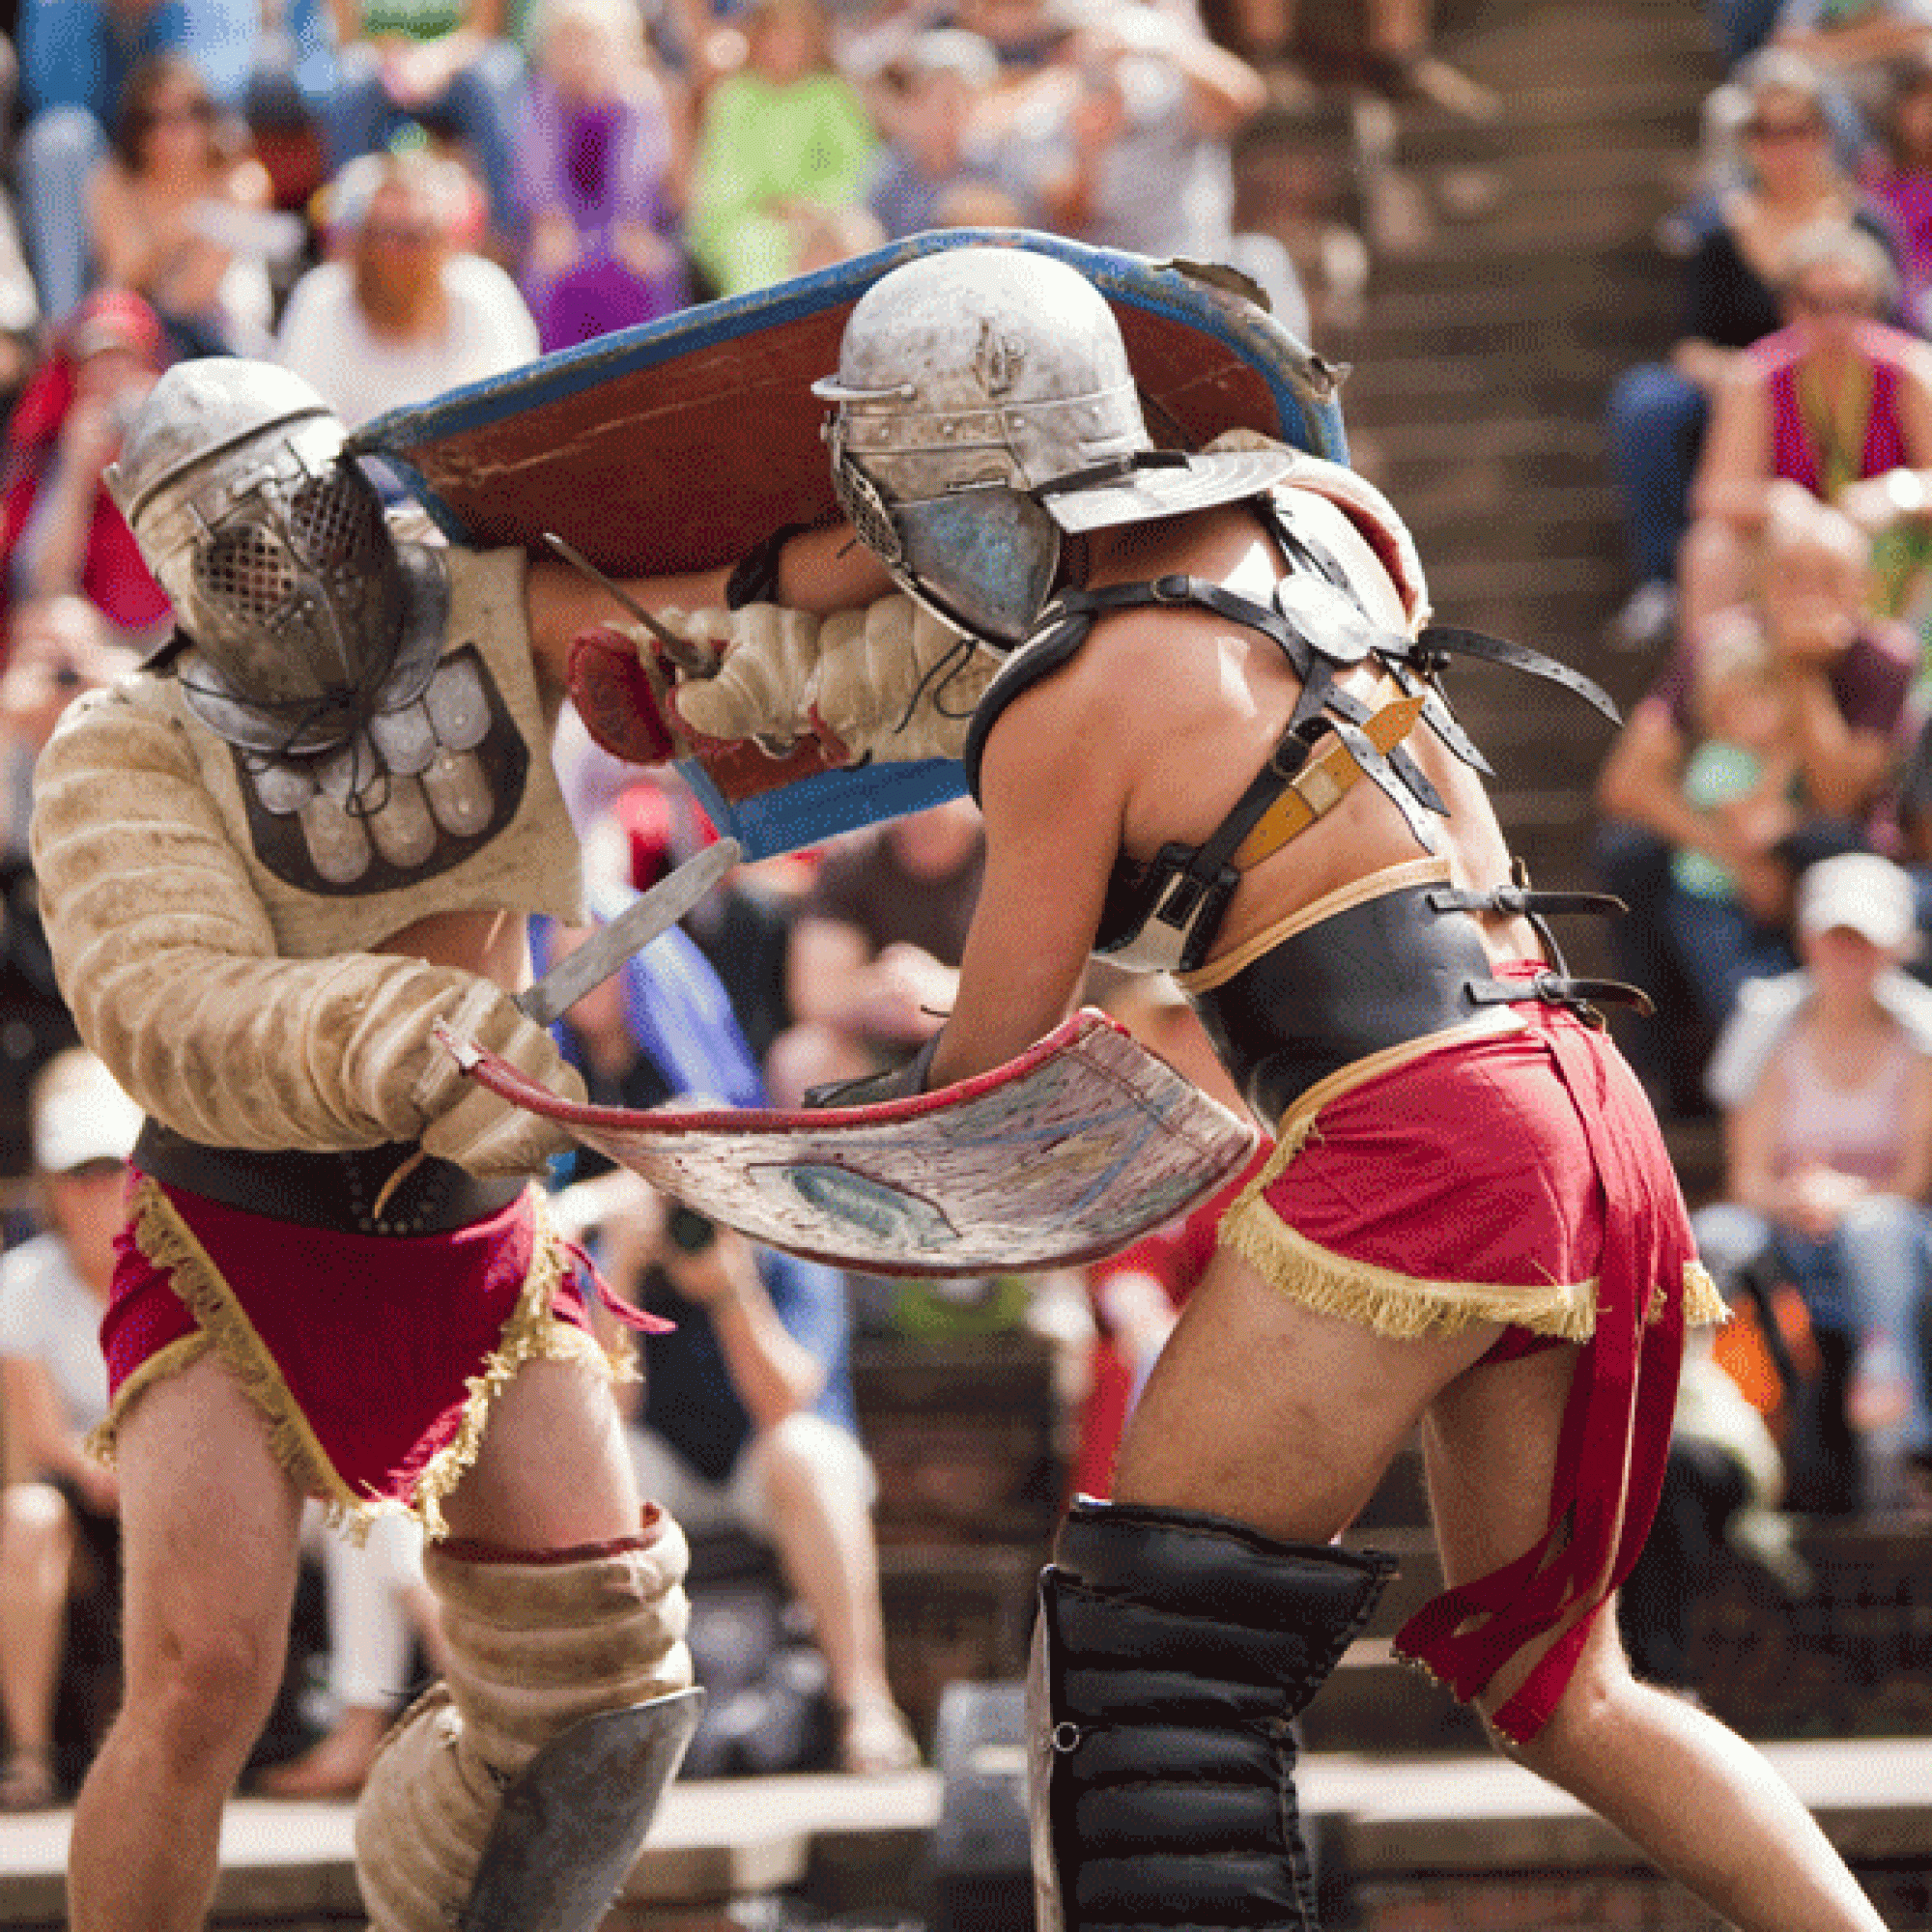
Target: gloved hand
(479, 1130)
(865, 1089)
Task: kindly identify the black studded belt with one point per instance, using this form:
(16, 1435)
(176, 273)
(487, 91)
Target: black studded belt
(327, 1190)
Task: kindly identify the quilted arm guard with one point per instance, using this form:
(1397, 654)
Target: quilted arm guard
(1173, 1653)
(884, 680)
(168, 960)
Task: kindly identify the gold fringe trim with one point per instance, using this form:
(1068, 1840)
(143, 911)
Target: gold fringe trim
(167, 1241)
(532, 1333)
(1704, 1303)
(181, 1353)
(1358, 892)
(1399, 1306)
(1405, 1306)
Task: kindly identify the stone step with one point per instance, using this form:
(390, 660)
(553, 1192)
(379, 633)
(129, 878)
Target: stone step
(1427, 401)
(1513, 307)
(1409, 1843)
(1531, 523)
(1377, 1706)
(1485, 173)
(1505, 451)
(953, 1612)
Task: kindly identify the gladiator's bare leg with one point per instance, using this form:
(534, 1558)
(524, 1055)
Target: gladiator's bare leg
(209, 1536)
(1703, 1804)
(1263, 1411)
(554, 1471)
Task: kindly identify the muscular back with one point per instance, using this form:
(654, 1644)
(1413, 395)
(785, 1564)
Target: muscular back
(1202, 702)
(1147, 736)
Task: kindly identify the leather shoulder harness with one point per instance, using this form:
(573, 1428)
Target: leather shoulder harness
(1162, 916)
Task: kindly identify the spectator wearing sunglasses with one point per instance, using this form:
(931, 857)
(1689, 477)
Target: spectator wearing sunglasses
(76, 60)
(179, 212)
(1732, 240)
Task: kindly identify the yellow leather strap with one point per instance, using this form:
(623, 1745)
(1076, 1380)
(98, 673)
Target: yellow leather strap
(1322, 782)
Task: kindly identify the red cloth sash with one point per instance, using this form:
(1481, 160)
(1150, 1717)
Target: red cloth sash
(1523, 1159)
(372, 1340)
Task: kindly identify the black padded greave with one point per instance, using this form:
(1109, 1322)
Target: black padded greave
(1174, 1651)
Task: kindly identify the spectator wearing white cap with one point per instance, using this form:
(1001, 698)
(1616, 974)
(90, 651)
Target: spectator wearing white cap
(1830, 1156)
(59, 1535)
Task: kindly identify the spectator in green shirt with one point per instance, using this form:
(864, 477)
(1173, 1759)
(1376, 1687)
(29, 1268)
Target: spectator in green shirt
(785, 153)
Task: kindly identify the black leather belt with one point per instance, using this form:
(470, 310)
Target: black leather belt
(327, 1190)
(1379, 973)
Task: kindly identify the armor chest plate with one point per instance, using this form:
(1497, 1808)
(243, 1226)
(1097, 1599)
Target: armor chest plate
(411, 795)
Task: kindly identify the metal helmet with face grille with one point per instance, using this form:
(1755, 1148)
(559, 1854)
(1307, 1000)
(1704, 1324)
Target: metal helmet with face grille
(275, 550)
(984, 405)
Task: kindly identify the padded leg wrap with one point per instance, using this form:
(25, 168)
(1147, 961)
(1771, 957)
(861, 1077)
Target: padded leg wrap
(535, 1648)
(1173, 1653)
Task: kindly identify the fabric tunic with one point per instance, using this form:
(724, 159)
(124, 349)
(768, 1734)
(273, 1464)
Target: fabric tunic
(528, 863)
(326, 340)
(375, 1358)
(602, 164)
(1800, 453)
(48, 1316)
(1850, 1129)
(1505, 1171)
(760, 145)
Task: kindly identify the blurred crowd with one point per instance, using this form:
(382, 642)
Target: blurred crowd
(1765, 810)
(393, 197)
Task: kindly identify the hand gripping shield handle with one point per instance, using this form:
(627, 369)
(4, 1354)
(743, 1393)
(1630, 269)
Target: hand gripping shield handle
(573, 1819)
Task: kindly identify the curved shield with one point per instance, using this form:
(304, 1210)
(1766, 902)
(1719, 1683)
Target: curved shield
(678, 444)
(1068, 1153)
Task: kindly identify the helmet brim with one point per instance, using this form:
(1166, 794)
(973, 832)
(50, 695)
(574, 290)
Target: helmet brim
(1170, 490)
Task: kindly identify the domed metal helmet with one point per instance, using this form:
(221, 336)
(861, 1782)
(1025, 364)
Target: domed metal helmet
(302, 613)
(984, 406)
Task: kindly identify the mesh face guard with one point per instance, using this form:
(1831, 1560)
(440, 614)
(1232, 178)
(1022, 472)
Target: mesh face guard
(252, 572)
(296, 601)
(984, 558)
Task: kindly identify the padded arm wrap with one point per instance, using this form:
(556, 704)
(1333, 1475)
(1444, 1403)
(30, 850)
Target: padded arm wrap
(895, 682)
(168, 960)
(761, 686)
(534, 1648)
(886, 680)
(1175, 1651)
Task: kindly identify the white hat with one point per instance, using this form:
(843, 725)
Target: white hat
(81, 1114)
(1861, 891)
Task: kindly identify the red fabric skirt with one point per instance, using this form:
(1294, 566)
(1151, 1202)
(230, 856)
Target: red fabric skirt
(373, 1357)
(1515, 1177)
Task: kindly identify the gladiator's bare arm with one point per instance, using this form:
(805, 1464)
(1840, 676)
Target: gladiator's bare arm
(1053, 827)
